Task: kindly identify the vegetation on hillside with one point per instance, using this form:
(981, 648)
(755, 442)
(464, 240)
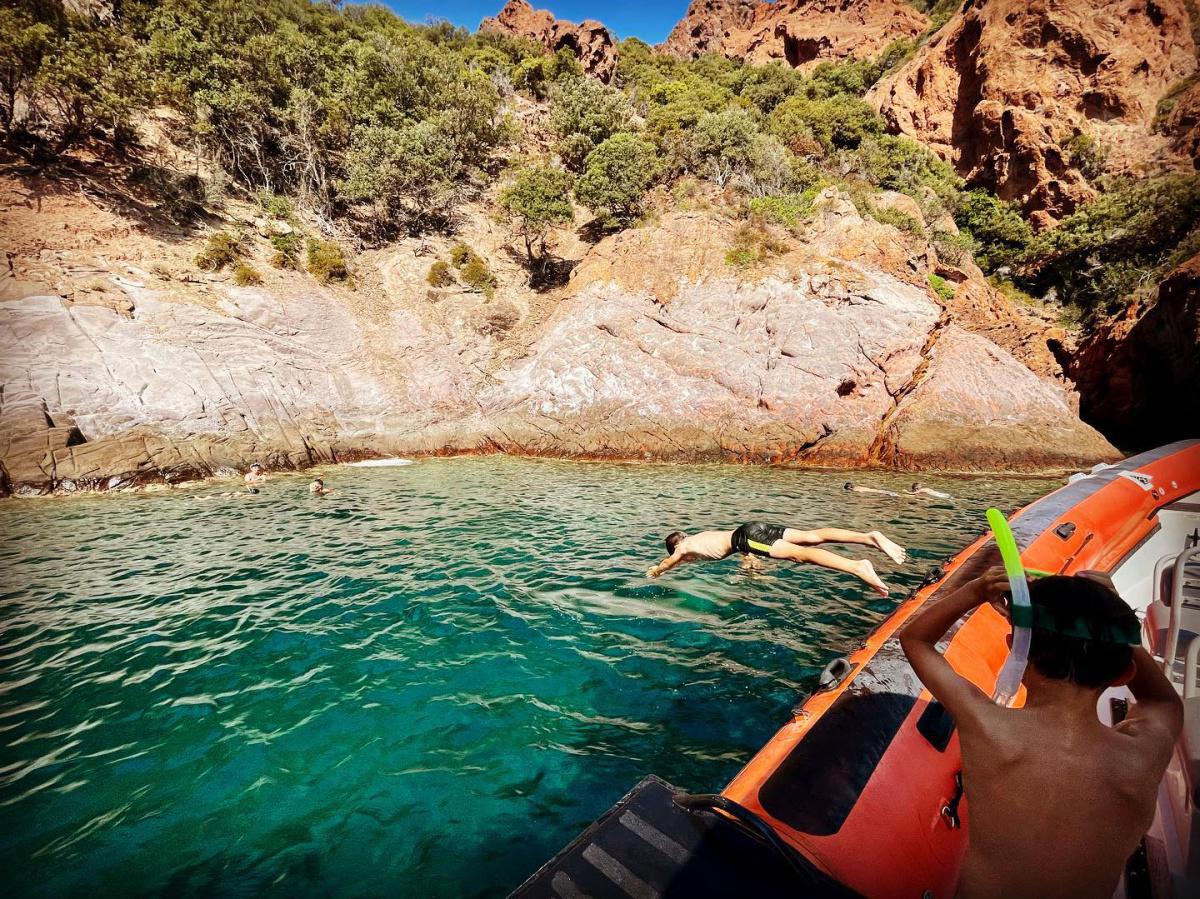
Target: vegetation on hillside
(378, 127)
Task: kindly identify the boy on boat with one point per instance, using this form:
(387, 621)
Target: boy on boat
(1057, 800)
(775, 542)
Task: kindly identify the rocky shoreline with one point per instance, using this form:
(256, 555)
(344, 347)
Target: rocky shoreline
(837, 352)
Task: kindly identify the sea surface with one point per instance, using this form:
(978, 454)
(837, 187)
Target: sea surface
(423, 684)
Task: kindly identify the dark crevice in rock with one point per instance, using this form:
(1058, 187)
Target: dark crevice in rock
(885, 448)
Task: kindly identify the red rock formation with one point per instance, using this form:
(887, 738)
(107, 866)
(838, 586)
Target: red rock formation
(802, 33)
(1137, 377)
(591, 42)
(1004, 86)
(1183, 124)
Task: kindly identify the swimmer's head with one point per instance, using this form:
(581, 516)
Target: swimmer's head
(1078, 606)
(254, 466)
(848, 486)
(254, 490)
(914, 488)
(318, 482)
(674, 539)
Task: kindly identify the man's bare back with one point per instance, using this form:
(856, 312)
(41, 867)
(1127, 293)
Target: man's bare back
(1056, 801)
(1057, 804)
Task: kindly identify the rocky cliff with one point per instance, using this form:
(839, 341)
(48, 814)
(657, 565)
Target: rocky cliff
(120, 363)
(590, 41)
(1138, 376)
(800, 33)
(1006, 87)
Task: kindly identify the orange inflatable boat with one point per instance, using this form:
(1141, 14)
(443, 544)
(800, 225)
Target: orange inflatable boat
(860, 793)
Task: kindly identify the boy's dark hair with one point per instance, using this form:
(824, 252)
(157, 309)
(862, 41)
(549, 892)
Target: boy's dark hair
(848, 486)
(1080, 605)
(915, 486)
(673, 539)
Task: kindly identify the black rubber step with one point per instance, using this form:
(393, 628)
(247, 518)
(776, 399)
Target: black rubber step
(646, 846)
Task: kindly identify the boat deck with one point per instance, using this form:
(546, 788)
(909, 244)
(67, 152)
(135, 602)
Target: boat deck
(649, 846)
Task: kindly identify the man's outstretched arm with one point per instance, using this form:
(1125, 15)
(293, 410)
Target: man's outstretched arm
(665, 565)
(920, 636)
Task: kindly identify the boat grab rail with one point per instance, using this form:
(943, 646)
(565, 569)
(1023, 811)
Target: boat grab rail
(1156, 584)
(745, 820)
(1176, 619)
(1189, 669)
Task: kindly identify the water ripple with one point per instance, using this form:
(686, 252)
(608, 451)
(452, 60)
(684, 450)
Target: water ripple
(435, 676)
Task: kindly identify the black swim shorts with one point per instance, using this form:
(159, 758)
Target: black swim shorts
(756, 538)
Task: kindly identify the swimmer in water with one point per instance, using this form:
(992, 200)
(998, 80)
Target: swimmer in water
(855, 488)
(250, 491)
(775, 542)
(927, 491)
(317, 488)
(255, 475)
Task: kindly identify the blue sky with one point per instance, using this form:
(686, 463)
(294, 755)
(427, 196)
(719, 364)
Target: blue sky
(649, 19)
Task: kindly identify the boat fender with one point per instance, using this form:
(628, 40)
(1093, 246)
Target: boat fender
(834, 673)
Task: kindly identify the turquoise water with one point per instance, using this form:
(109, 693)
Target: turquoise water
(422, 685)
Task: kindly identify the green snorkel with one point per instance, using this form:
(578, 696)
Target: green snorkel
(1021, 612)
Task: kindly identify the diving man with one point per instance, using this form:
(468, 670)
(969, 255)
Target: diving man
(775, 542)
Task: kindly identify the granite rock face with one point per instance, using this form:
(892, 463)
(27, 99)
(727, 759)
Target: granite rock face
(836, 352)
(590, 41)
(1138, 376)
(1003, 88)
(800, 33)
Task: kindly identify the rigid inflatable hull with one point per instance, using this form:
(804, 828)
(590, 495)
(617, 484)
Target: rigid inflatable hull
(865, 780)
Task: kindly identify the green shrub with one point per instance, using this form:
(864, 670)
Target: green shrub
(538, 199)
(753, 244)
(943, 288)
(618, 174)
(1086, 155)
(287, 250)
(246, 275)
(477, 276)
(535, 75)
(276, 206)
(222, 249)
(722, 144)
(461, 254)
(903, 165)
(838, 121)
(897, 218)
(583, 114)
(1001, 236)
(439, 275)
(957, 249)
(326, 262)
(789, 210)
(1116, 245)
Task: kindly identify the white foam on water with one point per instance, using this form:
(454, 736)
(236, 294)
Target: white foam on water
(380, 463)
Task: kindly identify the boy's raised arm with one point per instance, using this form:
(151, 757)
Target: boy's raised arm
(921, 634)
(1158, 707)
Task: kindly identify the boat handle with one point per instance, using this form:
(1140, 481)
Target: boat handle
(745, 820)
(834, 673)
(950, 809)
(1175, 621)
(1189, 668)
